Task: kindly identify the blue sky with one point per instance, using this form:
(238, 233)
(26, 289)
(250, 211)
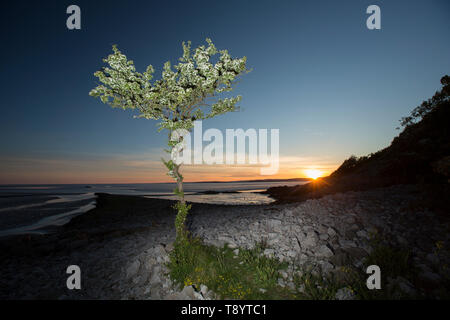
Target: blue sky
(332, 87)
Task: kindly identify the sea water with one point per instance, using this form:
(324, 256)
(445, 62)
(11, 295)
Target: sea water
(35, 208)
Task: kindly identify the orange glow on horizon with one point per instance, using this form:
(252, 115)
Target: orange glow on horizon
(131, 179)
(313, 173)
(123, 171)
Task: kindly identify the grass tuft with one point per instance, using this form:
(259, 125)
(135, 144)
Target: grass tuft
(250, 275)
(245, 275)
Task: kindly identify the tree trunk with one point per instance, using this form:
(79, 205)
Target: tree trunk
(183, 209)
(179, 183)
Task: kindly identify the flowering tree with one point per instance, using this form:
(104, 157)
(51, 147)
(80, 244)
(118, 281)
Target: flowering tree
(187, 92)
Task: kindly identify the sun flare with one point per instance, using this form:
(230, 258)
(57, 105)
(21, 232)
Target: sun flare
(313, 173)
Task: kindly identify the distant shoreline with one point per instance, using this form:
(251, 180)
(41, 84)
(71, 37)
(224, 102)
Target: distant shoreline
(143, 183)
(31, 209)
(39, 213)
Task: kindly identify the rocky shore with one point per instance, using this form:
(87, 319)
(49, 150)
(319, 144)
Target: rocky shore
(122, 246)
(339, 230)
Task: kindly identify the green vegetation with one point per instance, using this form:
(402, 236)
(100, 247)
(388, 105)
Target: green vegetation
(310, 285)
(229, 275)
(248, 274)
(395, 262)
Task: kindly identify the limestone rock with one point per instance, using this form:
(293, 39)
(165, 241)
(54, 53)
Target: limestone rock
(324, 252)
(345, 294)
(133, 268)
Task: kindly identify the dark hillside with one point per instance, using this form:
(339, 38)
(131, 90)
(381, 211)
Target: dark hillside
(420, 154)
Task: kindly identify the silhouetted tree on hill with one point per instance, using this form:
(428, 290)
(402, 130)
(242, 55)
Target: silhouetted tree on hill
(428, 105)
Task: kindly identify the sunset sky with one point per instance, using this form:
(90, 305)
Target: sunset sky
(331, 86)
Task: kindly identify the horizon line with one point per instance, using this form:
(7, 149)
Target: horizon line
(212, 181)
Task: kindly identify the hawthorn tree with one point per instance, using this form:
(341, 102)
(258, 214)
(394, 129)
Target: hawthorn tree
(185, 93)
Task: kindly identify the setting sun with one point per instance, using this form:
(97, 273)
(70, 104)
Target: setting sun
(313, 173)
